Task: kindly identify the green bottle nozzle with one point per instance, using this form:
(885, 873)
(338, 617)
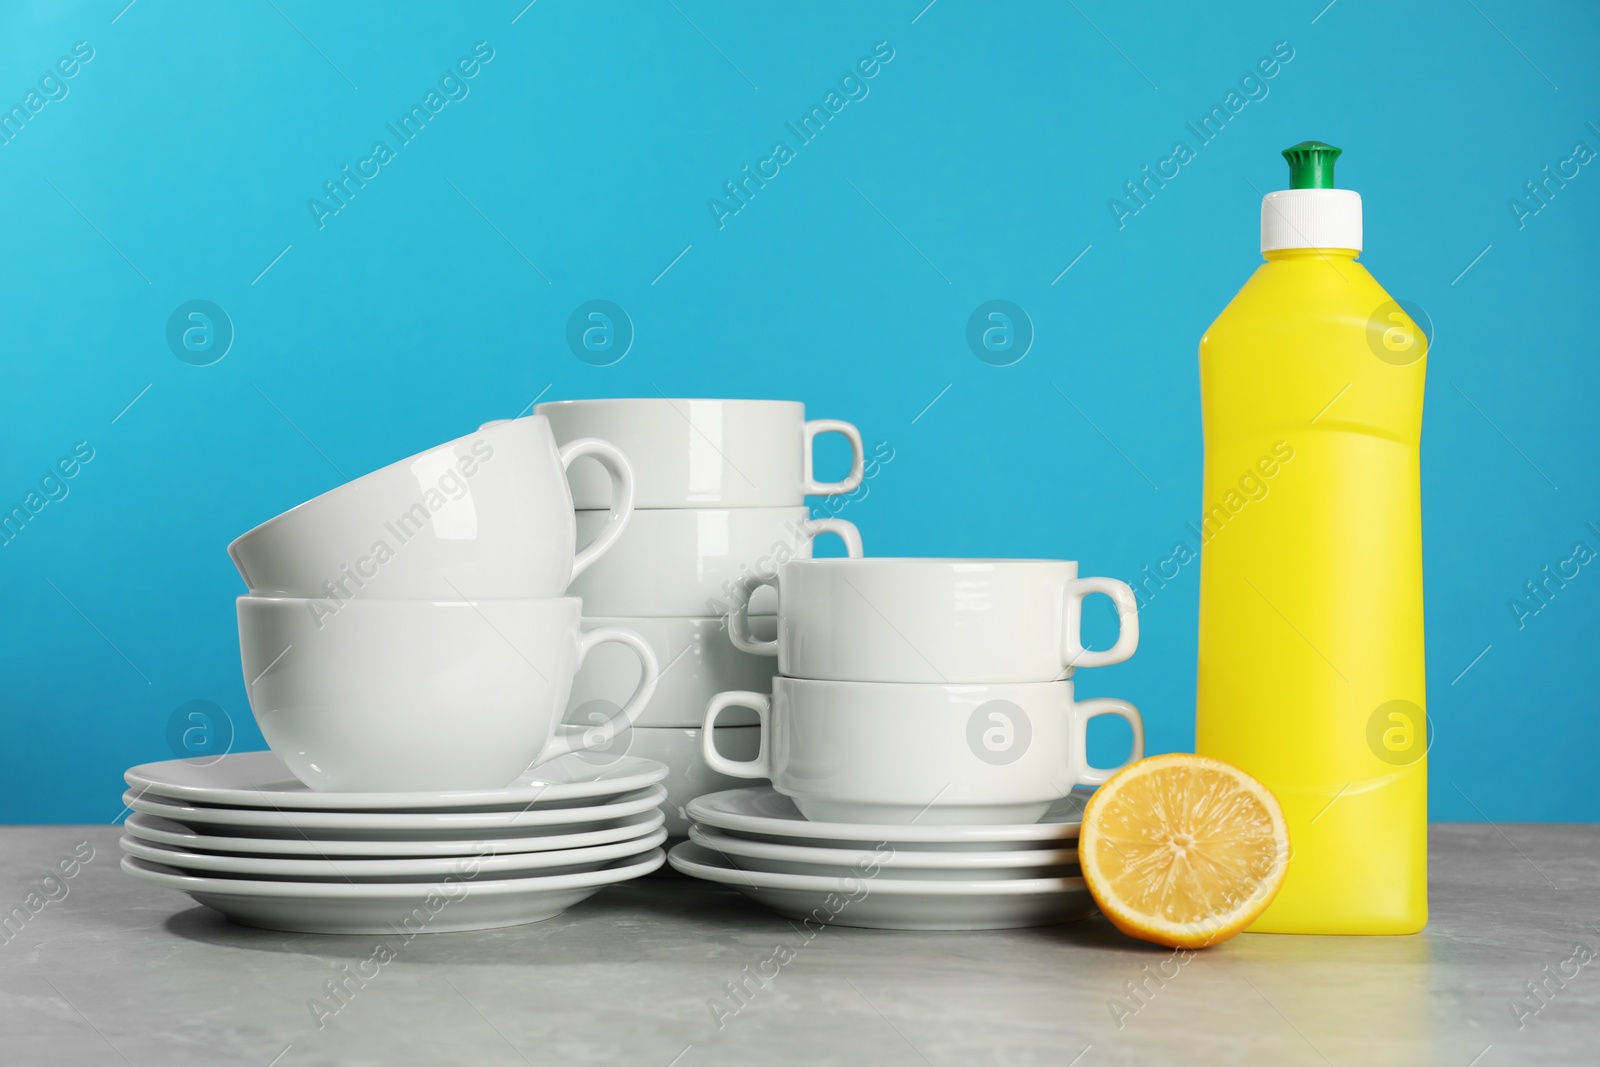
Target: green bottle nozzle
(1311, 165)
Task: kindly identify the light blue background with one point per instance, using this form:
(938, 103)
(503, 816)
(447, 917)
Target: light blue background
(978, 167)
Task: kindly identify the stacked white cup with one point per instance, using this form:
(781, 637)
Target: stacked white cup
(410, 630)
(719, 495)
(930, 691)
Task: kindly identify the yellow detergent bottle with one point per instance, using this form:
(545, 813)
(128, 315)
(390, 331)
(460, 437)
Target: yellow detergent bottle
(1311, 648)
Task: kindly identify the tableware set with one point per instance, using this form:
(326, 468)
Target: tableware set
(408, 651)
(719, 489)
(502, 674)
(922, 701)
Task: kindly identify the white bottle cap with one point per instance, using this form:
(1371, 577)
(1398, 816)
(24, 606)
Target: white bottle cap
(1311, 218)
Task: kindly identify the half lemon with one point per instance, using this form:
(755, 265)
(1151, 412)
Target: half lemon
(1183, 850)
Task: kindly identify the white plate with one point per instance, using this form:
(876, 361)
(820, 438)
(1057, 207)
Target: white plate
(394, 825)
(762, 812)
(885, 903)
(923, 864)
(156, 830)
(261, 780)
(484, 864)
(398, 911)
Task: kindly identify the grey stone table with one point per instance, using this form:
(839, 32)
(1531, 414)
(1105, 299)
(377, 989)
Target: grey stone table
(107, 970)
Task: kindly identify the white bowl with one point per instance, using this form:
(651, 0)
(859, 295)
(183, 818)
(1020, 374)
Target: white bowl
(952, 621)
(691, 561)
(703, 453)
(901, 752)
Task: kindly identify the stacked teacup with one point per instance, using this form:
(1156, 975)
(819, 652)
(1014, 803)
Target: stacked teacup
(926, 705)
(408, 650)
(719, 495)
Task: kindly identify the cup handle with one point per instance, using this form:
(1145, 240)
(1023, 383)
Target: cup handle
(857, 462)
(621, 472)
(739, 612)
(739, 617)
(1084, 711)
(649, 673)
(761, 766)
(844, 528)
(1073, 654)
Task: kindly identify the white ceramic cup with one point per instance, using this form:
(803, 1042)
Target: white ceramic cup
(704, 453)
(697, 662)
(488, 514)
(692, 561)
(953, 621)
(405, 695)
(898, 753)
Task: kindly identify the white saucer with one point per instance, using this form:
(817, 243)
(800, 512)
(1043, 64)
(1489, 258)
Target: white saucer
(763, 812)
(885, 903)
(394, 825)
(918, 864)
(484, 865)
(397, 911)
(261, 780)
(154, 829)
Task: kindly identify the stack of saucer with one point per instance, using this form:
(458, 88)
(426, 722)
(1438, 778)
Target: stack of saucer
(926, 705)
(408, 649)
(888, 876)
(719, 494)
(244, 837)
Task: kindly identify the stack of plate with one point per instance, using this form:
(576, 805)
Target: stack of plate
(243, 836)
(890, 877)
